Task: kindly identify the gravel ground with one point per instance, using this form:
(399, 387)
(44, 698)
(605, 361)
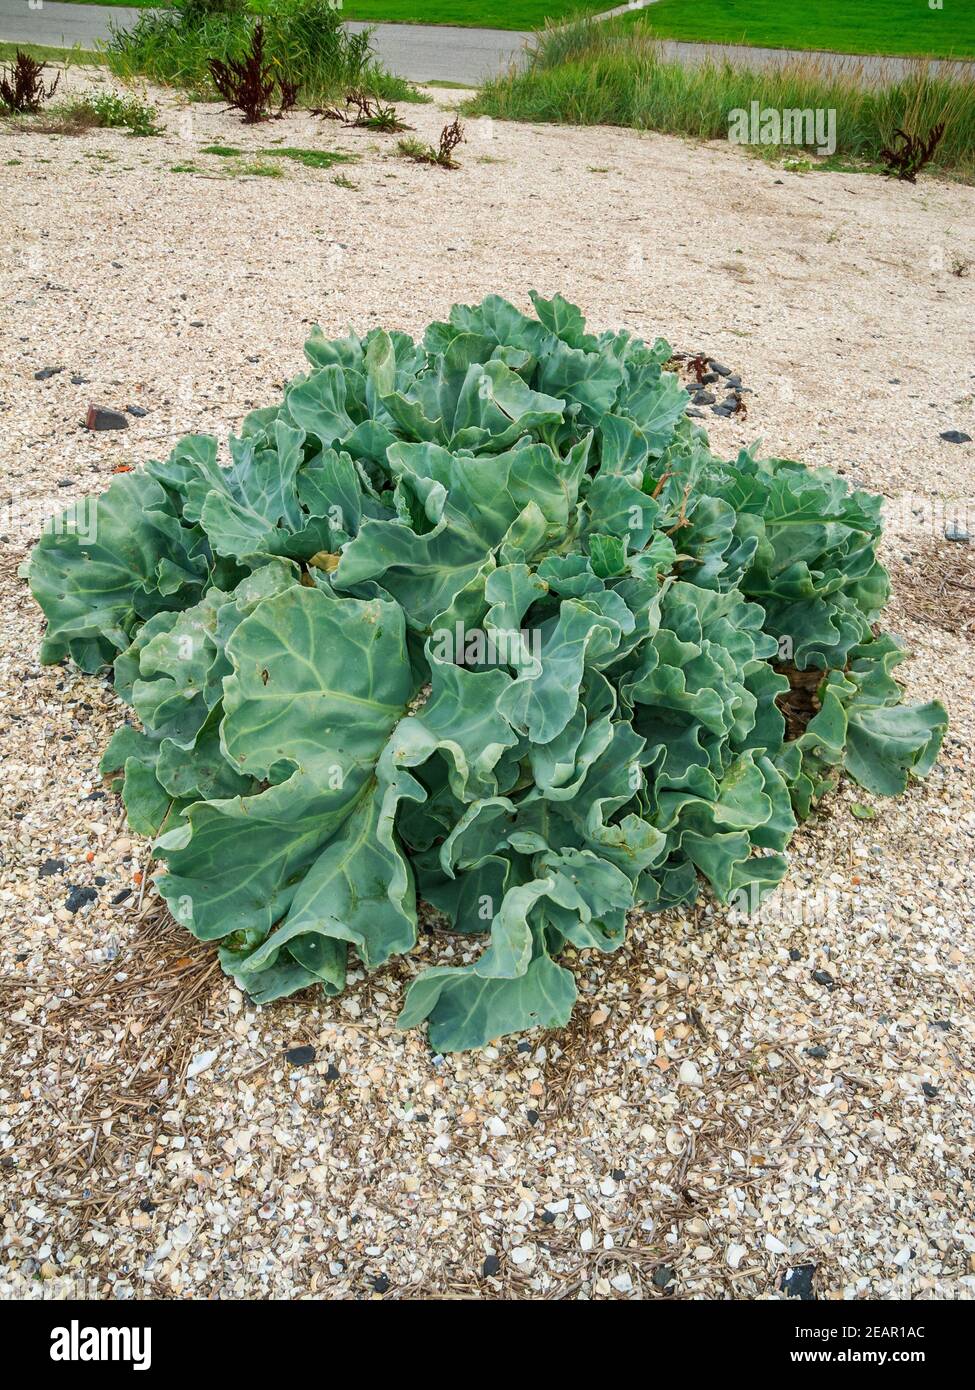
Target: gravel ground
(719, 1121)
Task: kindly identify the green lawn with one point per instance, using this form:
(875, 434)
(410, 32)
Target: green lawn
(845, 26)
(468, 14)
(863, 26)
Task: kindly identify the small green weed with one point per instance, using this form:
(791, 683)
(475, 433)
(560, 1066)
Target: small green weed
(312, 159)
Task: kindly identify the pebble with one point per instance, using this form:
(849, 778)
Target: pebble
(798, 1282)
(956, 437)
(79, 898)
(100, 417)
(333, 1188)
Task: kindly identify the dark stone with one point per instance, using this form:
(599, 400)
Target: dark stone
(955, 532)
(823, 977)
(78, 897)
(300, 1056)
(137, 410)
(695, 414)
(720, 368)
(956, 437)
(332, 1074)
(524, 1047)
(51, 866)
(618, 1175)
(707, 378)
(66, 482)
(723, 409)
(490, 1266)
(147, 1206)
(798, 1282)
(196, 323)
(99, 417)
(704, 398)
(795, 955)
(929, 1090)
(734, 381)
(548, 1216)
(121, 896)
(531, 1116)
(943, 1024)
(46, 372)
(817, 1052)
(662, 1276)
(380, 1283)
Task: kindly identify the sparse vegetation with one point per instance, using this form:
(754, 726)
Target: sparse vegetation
(98, 111)
(312, 159)
(260, 169)
(364, 112)
(450, 137)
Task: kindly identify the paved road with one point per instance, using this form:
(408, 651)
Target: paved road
(421, 52)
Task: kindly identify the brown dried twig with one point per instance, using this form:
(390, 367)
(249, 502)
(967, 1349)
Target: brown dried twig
(363, 112)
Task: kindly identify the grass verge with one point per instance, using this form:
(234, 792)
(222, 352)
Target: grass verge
(611, 74)
(71, 57)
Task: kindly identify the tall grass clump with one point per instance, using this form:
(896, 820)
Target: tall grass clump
(606, 74)
(303, 39)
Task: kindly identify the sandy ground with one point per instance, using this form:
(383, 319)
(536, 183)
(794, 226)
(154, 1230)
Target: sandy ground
(154, 1138)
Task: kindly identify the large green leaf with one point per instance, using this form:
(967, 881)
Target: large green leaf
(479, 621)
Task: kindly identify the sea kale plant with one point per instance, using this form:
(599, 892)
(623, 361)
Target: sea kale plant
(478, 620)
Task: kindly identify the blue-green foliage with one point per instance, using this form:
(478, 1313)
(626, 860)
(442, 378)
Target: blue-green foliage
(312, 756)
